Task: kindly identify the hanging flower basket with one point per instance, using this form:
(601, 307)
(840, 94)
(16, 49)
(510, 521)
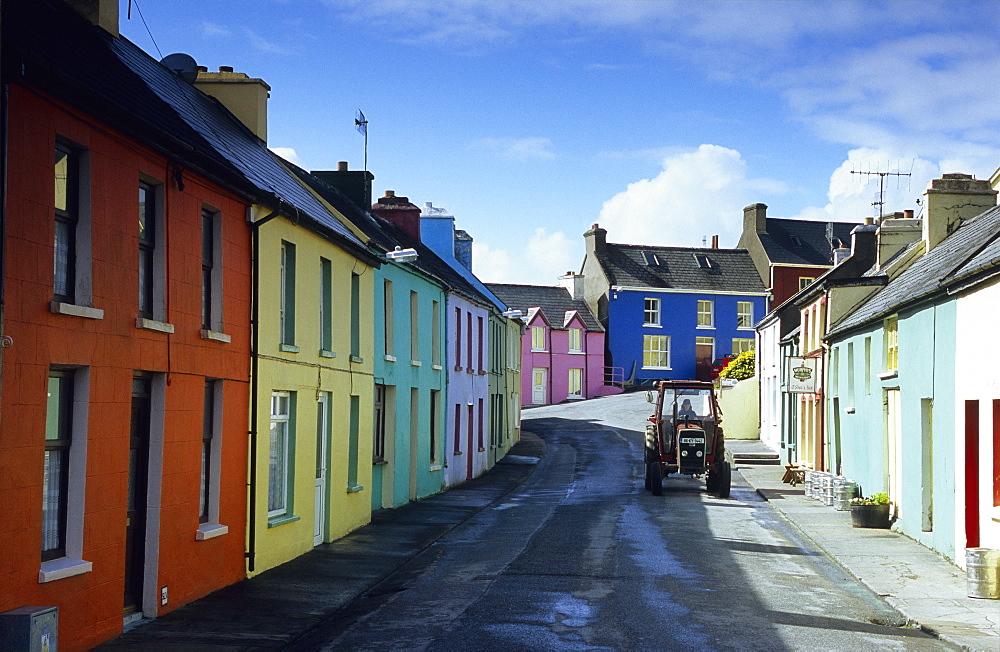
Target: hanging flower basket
(870, 512)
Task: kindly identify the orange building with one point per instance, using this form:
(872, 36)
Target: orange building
(126, 316)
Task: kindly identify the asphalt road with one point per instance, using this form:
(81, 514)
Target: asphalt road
(582, 557)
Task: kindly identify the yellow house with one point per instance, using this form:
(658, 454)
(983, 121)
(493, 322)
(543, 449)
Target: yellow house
(311, 406)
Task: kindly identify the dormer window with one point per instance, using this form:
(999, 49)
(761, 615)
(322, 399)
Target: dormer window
(703, 261)
(650, 259)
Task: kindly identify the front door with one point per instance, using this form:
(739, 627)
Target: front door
(322, 446)
(894, 448)
(704, 354)
(135, 518)
(538, 386)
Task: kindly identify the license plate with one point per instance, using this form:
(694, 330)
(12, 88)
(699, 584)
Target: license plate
(692, 440)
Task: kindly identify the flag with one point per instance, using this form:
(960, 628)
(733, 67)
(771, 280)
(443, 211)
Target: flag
(361, 123)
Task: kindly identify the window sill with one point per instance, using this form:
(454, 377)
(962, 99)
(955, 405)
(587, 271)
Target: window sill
(435, 467)
(652, 325)
(59, 308)
(379, 462)
(746, 328)
(576, 352)
(357, 359)
(288, 348)
(276, 521)
(659, 368)
(389, 358)
(326, 353)
(469, 370)
(437, 367)
(889, 375)
(458, 367)
(62, 568)
(482, 372)
(355, 488)
(539, 350)
(210, 531)
(705, 328)
(482, 450)
(215, 336)
(153, 325)
(416, 363)
(456, 453)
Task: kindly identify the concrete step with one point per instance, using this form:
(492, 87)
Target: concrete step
(756, 458)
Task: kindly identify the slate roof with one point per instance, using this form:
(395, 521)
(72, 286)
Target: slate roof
(116, 81)
(731, 270)
(973, 248)
(386, 236)
(804, 242)
(555, 302)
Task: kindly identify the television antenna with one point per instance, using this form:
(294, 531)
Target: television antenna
(881, 185)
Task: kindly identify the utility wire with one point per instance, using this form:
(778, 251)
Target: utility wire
(143, 18)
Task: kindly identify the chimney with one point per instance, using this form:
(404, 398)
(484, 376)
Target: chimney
(356, 185)
(573, 283)
(463, 248)
(400, 212)
(596, 240)
(103, 13)
(715, 242)
(244, 96)
(755, 218)
(951, 200)
(894, 233)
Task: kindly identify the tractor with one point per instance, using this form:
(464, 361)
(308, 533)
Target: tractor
(684, 436)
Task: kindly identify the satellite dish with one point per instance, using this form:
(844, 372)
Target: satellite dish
(182, 65)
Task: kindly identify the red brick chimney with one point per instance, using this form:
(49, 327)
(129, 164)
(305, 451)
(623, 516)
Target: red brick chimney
(400, 212)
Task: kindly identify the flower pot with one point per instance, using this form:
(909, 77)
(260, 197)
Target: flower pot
(876, 516)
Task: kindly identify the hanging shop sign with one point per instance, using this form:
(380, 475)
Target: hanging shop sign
(801, 375)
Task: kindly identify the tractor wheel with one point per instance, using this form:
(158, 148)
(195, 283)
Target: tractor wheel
(712, 480)
(655, 478)
(725, 479)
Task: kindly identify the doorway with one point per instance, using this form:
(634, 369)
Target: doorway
(322, 451)
(894, 448)
(704, 354)
(138, 475)
(538, 386)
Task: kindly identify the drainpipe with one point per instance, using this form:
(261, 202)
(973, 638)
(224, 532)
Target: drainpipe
(254, 348)
(5, 341)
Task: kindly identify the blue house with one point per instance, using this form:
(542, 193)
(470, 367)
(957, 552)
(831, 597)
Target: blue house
(670, 311)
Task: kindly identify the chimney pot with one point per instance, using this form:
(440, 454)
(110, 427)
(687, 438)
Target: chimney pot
(390, 193)
(202, 68)
(342, 166)
(715, 242)
(871, 220)
(225, 69)
(908, 214)
(595, 226)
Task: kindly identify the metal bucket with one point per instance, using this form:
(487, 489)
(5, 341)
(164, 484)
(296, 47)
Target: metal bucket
(982, 568)
(808, 485)
(843, 491)
(828, 484)
(817, 485)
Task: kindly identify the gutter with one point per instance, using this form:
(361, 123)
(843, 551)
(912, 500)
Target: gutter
(254, 360)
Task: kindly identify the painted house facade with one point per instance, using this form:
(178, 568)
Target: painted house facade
(127, 306)
(790, 254)
(909, 424)
(668, 312)
(562, 350)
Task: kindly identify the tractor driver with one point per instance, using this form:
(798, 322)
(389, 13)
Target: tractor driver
(686, 410)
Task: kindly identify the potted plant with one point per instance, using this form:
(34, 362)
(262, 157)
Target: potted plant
(872, 511)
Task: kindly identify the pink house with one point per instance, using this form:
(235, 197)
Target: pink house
(562, 350)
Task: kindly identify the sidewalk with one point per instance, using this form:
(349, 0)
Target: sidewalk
(273, 609)
(924, 587)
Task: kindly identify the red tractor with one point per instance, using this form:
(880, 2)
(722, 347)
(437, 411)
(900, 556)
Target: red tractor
(684, 436)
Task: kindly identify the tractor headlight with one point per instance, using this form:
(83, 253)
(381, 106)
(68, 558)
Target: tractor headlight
(698, 453)
(684, 453)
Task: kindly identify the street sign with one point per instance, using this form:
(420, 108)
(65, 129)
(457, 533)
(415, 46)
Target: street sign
(801, 375)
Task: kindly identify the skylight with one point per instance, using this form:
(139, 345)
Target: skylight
(796, 241)
(650, 258)
(703, 261)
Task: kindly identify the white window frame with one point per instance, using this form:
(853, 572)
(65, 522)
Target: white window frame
(212, 527)
(575, 340)
(80, 301)
(281, 472)
(739, 347)
(72, 563)
(710, 313)
(651, 311)
(648, 350)
(744, 309)
(574, 380)
(538, 333)
(805, 281)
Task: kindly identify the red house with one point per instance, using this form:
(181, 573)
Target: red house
(126, 325)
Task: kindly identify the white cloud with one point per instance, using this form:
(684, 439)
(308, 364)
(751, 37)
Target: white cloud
(708, 186)
(518, 149)
(263, 44)
(543, 259)
(213, 29)
(289, 154)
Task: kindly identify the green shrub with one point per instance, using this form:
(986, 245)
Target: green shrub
(742, 366)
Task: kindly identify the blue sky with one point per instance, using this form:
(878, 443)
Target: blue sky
(531, 120)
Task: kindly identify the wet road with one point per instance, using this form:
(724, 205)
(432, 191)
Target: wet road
(581, 557)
